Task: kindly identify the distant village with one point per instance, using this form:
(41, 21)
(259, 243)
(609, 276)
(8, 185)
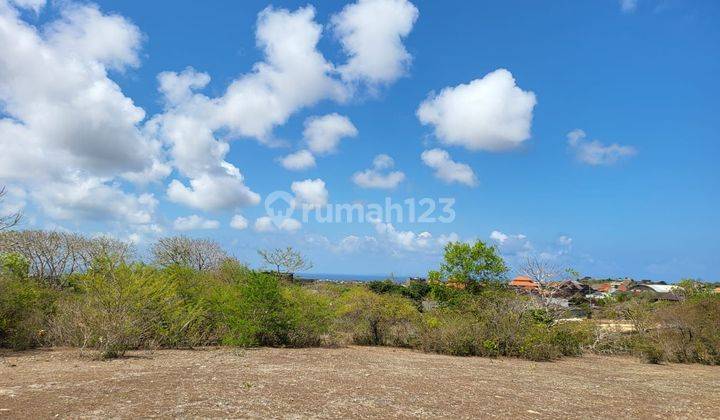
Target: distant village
(571, 293)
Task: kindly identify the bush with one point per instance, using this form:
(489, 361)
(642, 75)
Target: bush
(117, 309)
(686, 332)
(372, 319)
(310, 317)
(25, 306)
(497, 323)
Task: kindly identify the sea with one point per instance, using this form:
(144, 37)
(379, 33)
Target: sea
(351, 277)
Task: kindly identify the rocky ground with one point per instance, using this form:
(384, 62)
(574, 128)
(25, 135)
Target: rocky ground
(347, 382)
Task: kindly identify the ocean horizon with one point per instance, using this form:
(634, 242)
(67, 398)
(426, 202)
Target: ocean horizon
(352, 277)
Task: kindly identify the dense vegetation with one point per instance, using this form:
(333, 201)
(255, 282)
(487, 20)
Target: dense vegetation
(92, 294)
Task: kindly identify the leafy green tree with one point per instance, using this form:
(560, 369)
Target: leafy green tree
(472, 263)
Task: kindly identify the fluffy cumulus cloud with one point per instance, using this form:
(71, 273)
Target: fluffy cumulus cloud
(371, 33)
(194, 222)
(293, 75)
(83, 198)
(323, 134)
(491, 113)
(310, 192)
(377, 177)
(70, 135)
(238, 222)
(302, 159)
(447, 169)
(67, 131)
(211, 192)
(593, 152)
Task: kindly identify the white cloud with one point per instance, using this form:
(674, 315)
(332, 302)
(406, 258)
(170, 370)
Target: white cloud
(210, 192)
(375, 178)
(628, 6)
(89, 198)
(491, 113)
(302, 159)
(565, 240)
(448, 170)
(292, 75)
(371, 33)
(323, 134)
(511, 244)
(310, 192)
(178, 88)
(64, 114)
(194, 222)
(290, 225)
(266, 224)
(595, 153)
(238, 222)
(67, 131)
(398, 241)
(34, 5)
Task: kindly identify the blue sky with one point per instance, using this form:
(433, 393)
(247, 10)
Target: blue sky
(635, 194)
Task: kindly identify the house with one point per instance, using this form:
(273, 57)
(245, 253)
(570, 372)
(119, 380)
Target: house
(657, 291)
(524, 283)
(568, 288)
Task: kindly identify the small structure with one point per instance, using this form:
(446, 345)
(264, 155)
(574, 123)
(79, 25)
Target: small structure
(657, 291)
(569, 288)
(524, 283)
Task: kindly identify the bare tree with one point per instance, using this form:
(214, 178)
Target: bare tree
(105, 247)
(53, 255)
(285, 260)
(542, 272)
(7, 221)
(199, 254)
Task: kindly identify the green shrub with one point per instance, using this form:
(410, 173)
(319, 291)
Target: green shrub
(373, 319)
(497, 323)
(310, 317)
(25, 306)
(117, 309)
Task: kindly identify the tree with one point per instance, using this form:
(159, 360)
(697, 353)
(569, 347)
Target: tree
(199, 254)
(476, 262)
(541, 271)
(285, 260)
(53, 255)
(9, 220)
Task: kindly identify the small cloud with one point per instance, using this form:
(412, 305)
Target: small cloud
(302, 159)
(593, 152)
(238, 222)
(194, 222)
(375, 178)
(267, 224)
(310, 192)
(447, 169)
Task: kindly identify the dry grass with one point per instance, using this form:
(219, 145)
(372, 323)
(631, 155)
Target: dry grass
(348, 382)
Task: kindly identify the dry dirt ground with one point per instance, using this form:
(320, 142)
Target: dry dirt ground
(348, 382)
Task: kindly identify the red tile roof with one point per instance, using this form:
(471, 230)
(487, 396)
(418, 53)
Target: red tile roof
(524, 282)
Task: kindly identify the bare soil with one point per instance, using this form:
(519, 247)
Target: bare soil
(348, 382)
